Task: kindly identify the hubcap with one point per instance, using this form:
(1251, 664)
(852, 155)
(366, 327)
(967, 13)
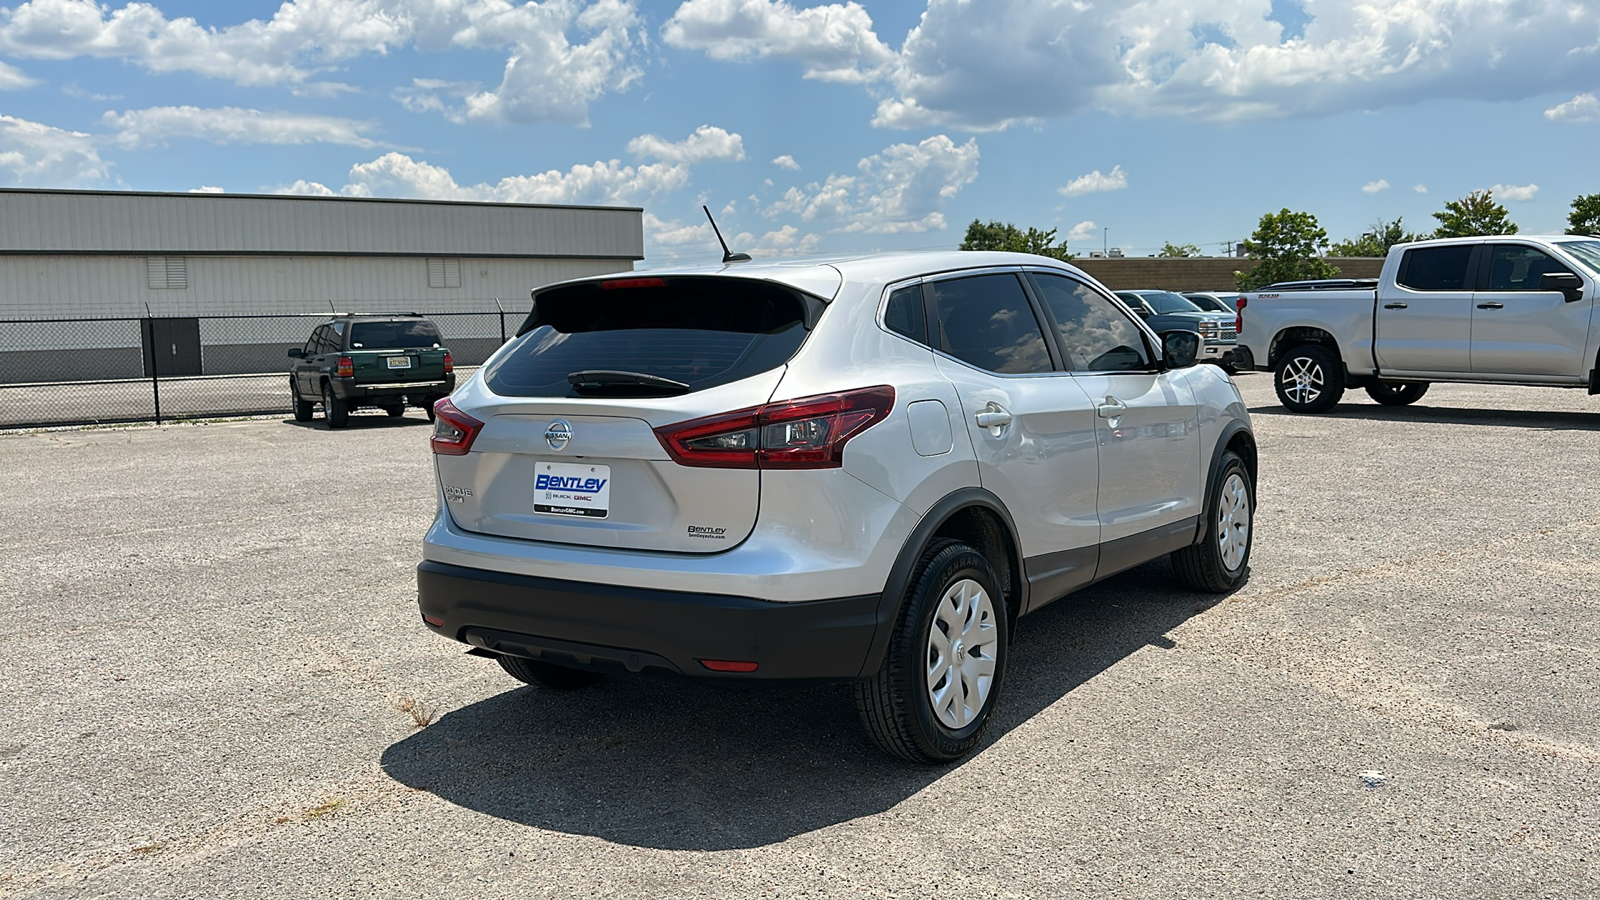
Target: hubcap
(962, 648)
(1302, 379)
(1233, 521)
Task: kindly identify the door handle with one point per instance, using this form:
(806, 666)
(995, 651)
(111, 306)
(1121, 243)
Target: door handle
(1111, 408)
(993, 419)
(1491, 305)
(1395, 306)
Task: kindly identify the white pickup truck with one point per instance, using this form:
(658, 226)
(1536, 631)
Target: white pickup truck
(1489, 310)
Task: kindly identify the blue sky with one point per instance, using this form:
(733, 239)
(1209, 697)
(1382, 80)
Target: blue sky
(826, 127)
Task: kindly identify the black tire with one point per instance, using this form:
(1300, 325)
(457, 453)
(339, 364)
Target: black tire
(1395, 393)
(395, 411)
(1215, 565)
(1309, 379)
(550, 675)
(334, 410)
(302, 408)
(897, 704)
(428, 408)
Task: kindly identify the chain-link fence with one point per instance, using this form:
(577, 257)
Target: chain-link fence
(83, 371)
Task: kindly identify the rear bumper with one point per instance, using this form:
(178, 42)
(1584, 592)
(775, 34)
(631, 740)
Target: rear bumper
(348, 390)
(636, 629)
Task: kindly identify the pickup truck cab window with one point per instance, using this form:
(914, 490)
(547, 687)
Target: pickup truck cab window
(1095, 335)
(1436, 268)
(1516, 267)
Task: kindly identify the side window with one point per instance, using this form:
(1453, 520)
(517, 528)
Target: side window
(1095, 335)
(1513, 267)
(904, 314)
(1436, 268)
(336, 336)
(987, 321)
(314, 343)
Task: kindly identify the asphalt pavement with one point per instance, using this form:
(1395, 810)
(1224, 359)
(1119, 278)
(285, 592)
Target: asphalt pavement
(214, 675)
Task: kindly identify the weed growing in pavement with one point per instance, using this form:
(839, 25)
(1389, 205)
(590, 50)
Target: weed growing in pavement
(333, 805)
(421, 714)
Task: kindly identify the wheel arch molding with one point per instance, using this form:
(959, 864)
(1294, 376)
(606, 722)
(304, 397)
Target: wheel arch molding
(1238, 438)
(973, 515)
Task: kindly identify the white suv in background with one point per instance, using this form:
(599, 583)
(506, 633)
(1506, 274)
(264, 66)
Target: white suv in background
(857, 470)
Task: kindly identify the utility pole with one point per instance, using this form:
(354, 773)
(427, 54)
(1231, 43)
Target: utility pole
(1105, 239)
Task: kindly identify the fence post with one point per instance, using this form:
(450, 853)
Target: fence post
(502, 320)
(150, 342)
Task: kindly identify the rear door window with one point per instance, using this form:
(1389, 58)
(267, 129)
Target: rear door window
(986, 321)
(1436, 268)
(659, 335)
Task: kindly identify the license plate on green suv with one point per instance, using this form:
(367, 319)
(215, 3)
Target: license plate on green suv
(399, 362)
(566, 489)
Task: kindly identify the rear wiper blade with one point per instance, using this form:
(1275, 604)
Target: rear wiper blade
(603, 379)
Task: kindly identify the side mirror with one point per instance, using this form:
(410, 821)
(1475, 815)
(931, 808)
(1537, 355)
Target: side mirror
(1179, 349)
(297, 352)
(1570, 285)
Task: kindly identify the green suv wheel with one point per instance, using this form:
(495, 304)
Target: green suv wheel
(334, 410)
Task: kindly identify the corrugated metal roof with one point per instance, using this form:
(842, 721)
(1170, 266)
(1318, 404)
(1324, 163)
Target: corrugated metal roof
(67, 222)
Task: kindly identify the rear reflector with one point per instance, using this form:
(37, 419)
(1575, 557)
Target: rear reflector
(453, 430)
(724, 665)
(616, 284)
(435, 621)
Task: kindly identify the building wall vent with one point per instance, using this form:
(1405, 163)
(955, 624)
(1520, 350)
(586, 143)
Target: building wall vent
(167, 273)
(444, 273)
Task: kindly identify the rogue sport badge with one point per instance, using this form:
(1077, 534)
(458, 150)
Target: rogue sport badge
(558, 435)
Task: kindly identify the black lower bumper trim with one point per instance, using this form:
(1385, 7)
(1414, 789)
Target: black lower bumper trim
(639, 629)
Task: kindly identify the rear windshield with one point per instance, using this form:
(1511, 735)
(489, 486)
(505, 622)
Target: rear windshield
(411, 335)
(697, 331)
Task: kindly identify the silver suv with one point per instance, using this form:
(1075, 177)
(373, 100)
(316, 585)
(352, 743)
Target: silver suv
(858, 470)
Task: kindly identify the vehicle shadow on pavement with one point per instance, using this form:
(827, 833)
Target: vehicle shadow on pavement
(361, 422)
(677, 766)
(1541, 420)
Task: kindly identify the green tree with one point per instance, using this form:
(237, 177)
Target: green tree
(1375, 241)
(1178, 251)
(1005, 236)
(1585, 217)
(1287, 244)
(1473, 215)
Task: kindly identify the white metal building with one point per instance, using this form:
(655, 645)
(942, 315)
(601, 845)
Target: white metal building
(69, 254)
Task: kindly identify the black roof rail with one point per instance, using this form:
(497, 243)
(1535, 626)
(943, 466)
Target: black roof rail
(1322, 284)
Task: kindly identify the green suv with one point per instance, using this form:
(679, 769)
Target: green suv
(385, 361)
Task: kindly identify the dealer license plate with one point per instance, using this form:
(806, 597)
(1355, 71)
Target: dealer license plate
(568, 489)
(399, 362)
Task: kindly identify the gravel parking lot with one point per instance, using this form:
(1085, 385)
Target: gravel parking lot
(214, 670)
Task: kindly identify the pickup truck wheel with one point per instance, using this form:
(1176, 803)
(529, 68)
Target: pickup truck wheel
(932, 699)
(1221, 561)
(533, 671)
(395, 411)
(1309, 379)
(1394, 393)
(302, 408)
(334, 411)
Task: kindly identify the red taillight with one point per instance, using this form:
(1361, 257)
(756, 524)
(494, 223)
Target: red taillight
(1238, 322)
(346, 367)
(615, 284)
(449, 364)
(809, 433)
(435, 621)
(725, 665)
(453, 430)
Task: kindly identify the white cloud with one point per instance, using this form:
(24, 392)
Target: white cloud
(1094, 183)
(1582, 108)
(1083, 231)
(207, 189)
(902, 189)
(1373, 187)
(35, 155)
(563, 54)
(603, 183)
(1421, 189)
(12, 79)
(708, 143)
(232, 125)
(785, 241)
(1514, 191)
(307, 189)
(786, 162)
(831, 43)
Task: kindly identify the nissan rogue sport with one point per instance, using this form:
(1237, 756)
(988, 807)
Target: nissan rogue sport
(861, 470)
